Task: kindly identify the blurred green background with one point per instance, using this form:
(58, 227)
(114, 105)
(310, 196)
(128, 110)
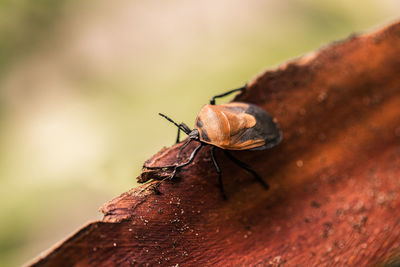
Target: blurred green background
(81, 83)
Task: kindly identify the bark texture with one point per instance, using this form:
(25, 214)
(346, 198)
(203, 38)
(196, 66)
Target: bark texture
(335, 178)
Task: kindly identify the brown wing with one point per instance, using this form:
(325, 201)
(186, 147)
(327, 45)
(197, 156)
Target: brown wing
(229, 126)
(263, 135)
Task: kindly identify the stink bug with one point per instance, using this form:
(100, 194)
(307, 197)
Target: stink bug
(232, 126)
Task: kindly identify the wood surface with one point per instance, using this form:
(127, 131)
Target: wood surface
(335, 178)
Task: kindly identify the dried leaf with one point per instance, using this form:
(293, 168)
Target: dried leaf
(334, 196)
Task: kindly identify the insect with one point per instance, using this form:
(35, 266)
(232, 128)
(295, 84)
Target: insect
(231, 126)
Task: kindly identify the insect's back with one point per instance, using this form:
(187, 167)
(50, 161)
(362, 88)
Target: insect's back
(237, 126)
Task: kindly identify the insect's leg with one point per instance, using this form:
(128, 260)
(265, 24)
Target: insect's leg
(178, 136)
(192, 156)
(194, 153)
(212, 101)
(220, 184)
(247, 168)
(175, 167)
(183, 147)
(182, 127)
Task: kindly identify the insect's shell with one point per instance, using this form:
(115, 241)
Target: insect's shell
(237, 126)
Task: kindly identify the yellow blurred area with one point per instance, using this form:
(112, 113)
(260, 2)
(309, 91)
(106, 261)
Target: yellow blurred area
(81, 83)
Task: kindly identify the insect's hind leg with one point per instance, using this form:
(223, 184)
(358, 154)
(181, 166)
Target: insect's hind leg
(247, 168)
(220, 184)
(212, 101)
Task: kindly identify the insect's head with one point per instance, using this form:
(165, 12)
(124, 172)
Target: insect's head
(194, 135)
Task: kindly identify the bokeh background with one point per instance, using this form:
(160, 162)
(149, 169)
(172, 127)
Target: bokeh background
(81, 83)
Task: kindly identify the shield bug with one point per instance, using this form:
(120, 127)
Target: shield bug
(231, 126)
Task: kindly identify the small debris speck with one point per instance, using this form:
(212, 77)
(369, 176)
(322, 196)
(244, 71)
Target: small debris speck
(315, 204)
(381, 199)
(277, 259)
(322, 96)
(299, 163)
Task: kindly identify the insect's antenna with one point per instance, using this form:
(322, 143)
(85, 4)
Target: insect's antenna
(177, 125)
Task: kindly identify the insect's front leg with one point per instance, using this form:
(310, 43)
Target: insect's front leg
(182, 127)
(178, 136)
(183, 147)
(176, 167)
(192, 156)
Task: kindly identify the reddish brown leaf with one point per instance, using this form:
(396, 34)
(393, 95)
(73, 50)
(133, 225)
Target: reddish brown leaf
(335, 178)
